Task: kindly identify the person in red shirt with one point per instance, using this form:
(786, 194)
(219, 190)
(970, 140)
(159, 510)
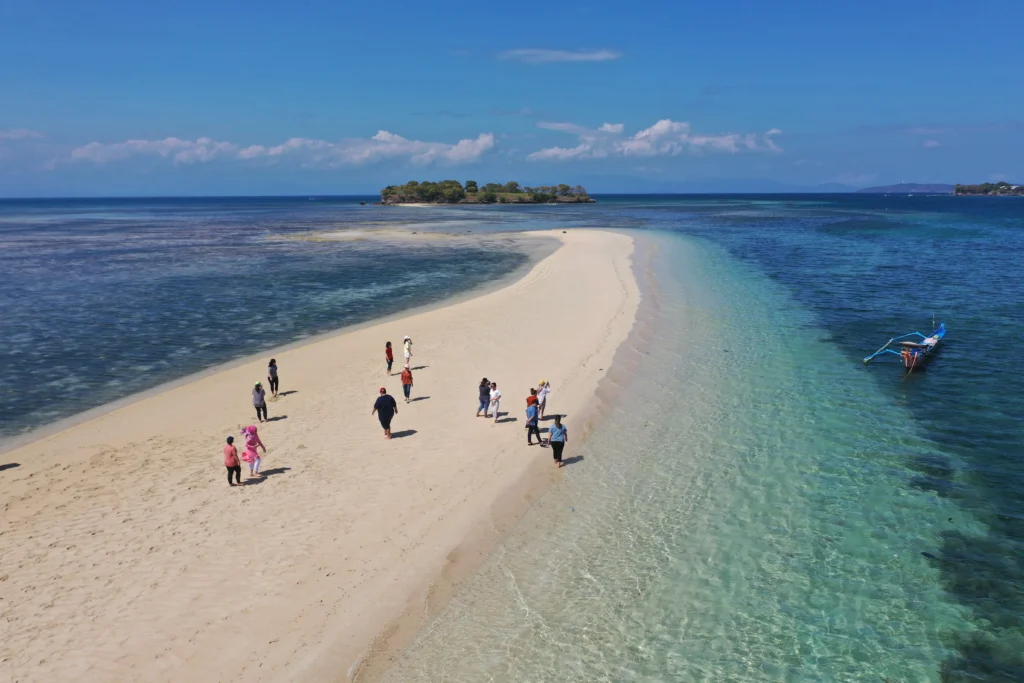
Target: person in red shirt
(532, 398)
(231, 462)
(406, 382)
(389, 357)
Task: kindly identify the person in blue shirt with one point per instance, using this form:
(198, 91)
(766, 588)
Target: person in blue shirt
(532, 415)
(558, 435)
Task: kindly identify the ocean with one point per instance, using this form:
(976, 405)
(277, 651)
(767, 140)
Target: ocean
(756, 504)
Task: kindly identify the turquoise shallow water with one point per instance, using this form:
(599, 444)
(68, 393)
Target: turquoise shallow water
(757, 506)
(745, 513)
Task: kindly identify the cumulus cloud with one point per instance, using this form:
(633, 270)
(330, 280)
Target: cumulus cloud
(664, 138)
(538, 56)
(307, 152)
(20, 134)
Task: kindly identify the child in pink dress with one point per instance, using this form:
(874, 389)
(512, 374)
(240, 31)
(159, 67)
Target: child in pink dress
(251, 455)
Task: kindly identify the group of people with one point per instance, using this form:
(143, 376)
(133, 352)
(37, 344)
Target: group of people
(385, 408)
(536, 404)
(251, 456)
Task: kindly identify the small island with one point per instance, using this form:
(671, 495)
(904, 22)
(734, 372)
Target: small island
(453, 192)
(1000, 189)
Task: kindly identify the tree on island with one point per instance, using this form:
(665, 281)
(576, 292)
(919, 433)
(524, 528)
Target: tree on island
(453, 192)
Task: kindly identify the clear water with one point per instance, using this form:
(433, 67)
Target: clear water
(735, 518)
(758, 505)
(761, 506)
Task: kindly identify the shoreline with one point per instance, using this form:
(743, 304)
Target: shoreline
(536, 248)
(357, 543)
(513, 503)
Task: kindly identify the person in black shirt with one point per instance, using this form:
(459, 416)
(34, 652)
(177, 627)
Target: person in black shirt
(385, 408)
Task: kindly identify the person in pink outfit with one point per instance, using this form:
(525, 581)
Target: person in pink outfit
(251, 455)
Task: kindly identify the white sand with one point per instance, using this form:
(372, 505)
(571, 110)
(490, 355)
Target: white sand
(126, 556)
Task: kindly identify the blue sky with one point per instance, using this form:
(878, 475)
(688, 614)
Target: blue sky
(128, 98)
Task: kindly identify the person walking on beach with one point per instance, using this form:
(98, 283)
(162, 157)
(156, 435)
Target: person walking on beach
(251, 455)
(259, 401)
(543, 389)
(558, 435)
(485, 397)
(406, 382)
(386, 408)
(231, 462)
(389, 357)
(495, 397)
(532, 425)
(272, 377)
(408, 349)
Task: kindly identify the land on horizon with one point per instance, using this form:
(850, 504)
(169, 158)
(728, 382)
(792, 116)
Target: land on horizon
(453, 192)
(910, 188)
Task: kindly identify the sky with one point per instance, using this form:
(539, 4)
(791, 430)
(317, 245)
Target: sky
(210, 98)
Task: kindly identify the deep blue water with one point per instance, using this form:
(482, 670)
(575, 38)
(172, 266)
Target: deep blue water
(102, 298)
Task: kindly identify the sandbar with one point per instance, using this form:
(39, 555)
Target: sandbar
(126, 556)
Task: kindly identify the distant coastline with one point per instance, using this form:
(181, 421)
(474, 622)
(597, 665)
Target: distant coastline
(910, 188)
(453, 192)
(1000, 189)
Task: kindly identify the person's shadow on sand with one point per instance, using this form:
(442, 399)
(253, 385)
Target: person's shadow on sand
(419, 398)
(574, 459)
(288, 393)
(253, 481)
(505, 419)
(402, 434)
(276, 418)
(552, 417)
(9, 466)
(420, 367)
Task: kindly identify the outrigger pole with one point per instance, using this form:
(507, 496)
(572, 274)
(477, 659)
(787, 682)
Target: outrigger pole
(886, 349)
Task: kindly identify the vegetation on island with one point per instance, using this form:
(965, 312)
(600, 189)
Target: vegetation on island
(454, 192)
(1002, 189)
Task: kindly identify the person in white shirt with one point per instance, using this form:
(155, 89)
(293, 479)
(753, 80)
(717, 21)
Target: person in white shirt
(495, 400)
(543, 389)
(408, 349)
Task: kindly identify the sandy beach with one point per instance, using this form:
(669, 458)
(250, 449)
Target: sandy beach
(126, 556)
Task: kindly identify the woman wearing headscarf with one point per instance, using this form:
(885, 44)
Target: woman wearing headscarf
(251, 455)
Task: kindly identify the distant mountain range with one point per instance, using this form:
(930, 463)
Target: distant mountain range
(910, 188)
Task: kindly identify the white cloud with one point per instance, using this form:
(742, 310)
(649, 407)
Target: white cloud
(20, 134)
(181, 151)
(307, 152)
(664, 138)
(537, 56)
(931, 144)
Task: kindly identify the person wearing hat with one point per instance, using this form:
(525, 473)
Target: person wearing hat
(543, 389)
(259, 401)
(385, 408)
(408, 349)
(485, 397)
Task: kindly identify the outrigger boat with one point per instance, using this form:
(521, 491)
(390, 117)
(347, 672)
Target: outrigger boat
(913, 353)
